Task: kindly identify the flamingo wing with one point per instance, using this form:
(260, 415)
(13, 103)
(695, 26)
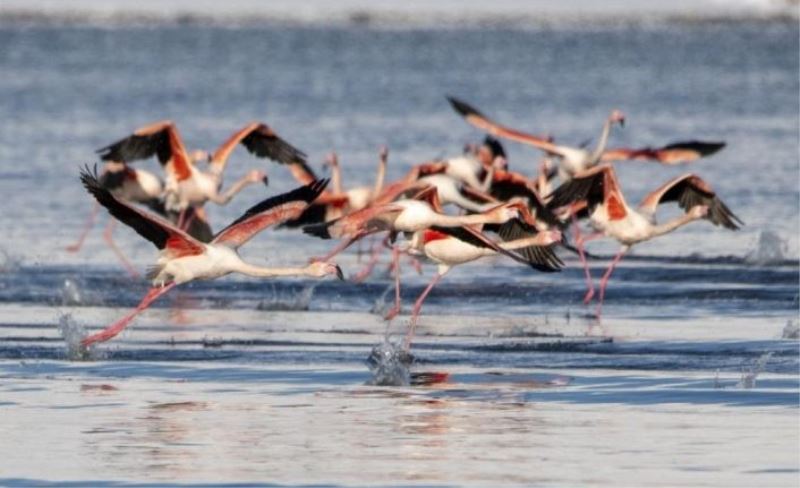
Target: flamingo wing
(164, 235)
(374, 218)
(474, 237)
(271, 211)
(690, 191)
(586, 186)
(477, 119)
(160, 139)
(542, 258)
(675, 153)
(507, 185)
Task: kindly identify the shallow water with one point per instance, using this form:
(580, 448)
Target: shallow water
(240, 381)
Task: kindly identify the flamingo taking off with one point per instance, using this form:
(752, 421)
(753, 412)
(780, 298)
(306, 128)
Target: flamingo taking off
(598, 192)
(576, 159)
(451, 246)
(184, 258)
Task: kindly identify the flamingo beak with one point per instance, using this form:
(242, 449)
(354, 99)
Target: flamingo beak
(265, 179)
(339, 273)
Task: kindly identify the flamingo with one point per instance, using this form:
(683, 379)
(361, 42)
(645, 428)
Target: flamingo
(361, 196)
(576, 159)
(184, 258)
(186, 185)
(449, 247)
(129, 184)
(599, 194)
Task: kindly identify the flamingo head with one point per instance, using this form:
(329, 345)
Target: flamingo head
(331, 160)
(383, 153)
(500, 162)
(617, 117)
(319, 269)
(257, 176)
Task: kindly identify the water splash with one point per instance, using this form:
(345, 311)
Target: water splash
(770, 249)
(73, 333)
(791, 330)
(287, 301)
(389, 365)
(380, 307)
(750, 375)
(71, 293)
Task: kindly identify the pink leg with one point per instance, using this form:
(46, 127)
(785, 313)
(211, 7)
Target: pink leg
(86, 228)
(579, 246)
(107, 235)
(418, 308)
(415, 263)
(373, 261)
(118, 326)
(396, 264)
(606, 276)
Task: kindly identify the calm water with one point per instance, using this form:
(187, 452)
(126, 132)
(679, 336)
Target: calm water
(242, 381)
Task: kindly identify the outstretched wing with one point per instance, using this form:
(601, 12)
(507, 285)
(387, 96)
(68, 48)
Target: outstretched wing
(595, 186)
(161, 233)
(690, 191)
(262, 142)
(507, 185)
(271, 211)
(474, 117)
(160, 139)
(675, 153)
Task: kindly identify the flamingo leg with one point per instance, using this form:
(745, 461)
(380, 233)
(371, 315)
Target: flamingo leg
(373, 261)
(415, 263)
(587, 274)
(118, 326)
(418, 308)
(108, 236)
(396, 265)
(86, 228)
(606, 276)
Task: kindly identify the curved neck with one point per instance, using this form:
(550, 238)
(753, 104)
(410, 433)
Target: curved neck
(601, 144)
(262, 272)
(222, 199)
(667, 227)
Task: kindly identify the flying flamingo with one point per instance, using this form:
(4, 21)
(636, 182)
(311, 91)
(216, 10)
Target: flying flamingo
(598, 193)
(186, 185)
(575, 159)
(361, 196)
(129, 184)
(451, 246)
(183, 258)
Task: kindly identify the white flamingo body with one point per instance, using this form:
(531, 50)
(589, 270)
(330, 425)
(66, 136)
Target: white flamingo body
(449, 192)
(139, 187)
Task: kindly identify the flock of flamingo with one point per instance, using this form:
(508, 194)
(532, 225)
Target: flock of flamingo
(493, 210)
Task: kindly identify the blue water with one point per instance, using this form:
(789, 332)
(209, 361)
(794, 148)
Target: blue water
(687, 316)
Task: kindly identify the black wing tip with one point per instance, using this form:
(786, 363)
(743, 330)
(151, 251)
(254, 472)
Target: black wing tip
(321, 230)
(463, 108)
(703, 148)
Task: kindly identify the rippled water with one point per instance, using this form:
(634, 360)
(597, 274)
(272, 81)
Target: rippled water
(690, 379)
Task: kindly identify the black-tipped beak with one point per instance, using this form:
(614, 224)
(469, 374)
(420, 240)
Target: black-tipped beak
(265, 179)
(622, 122)
(339, 273)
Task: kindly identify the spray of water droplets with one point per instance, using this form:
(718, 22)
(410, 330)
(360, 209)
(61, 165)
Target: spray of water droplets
(389, 365)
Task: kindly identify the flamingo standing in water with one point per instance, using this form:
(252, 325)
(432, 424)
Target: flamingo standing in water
(598, 193)
(184, 258)
(186, 186)
(128, 184)
(576, 159)
(449, 247)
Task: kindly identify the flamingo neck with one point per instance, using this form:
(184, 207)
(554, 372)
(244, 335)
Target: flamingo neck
(601, 144)
(336, 179)
(667, 227)
(263, 272)
(381, 175)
